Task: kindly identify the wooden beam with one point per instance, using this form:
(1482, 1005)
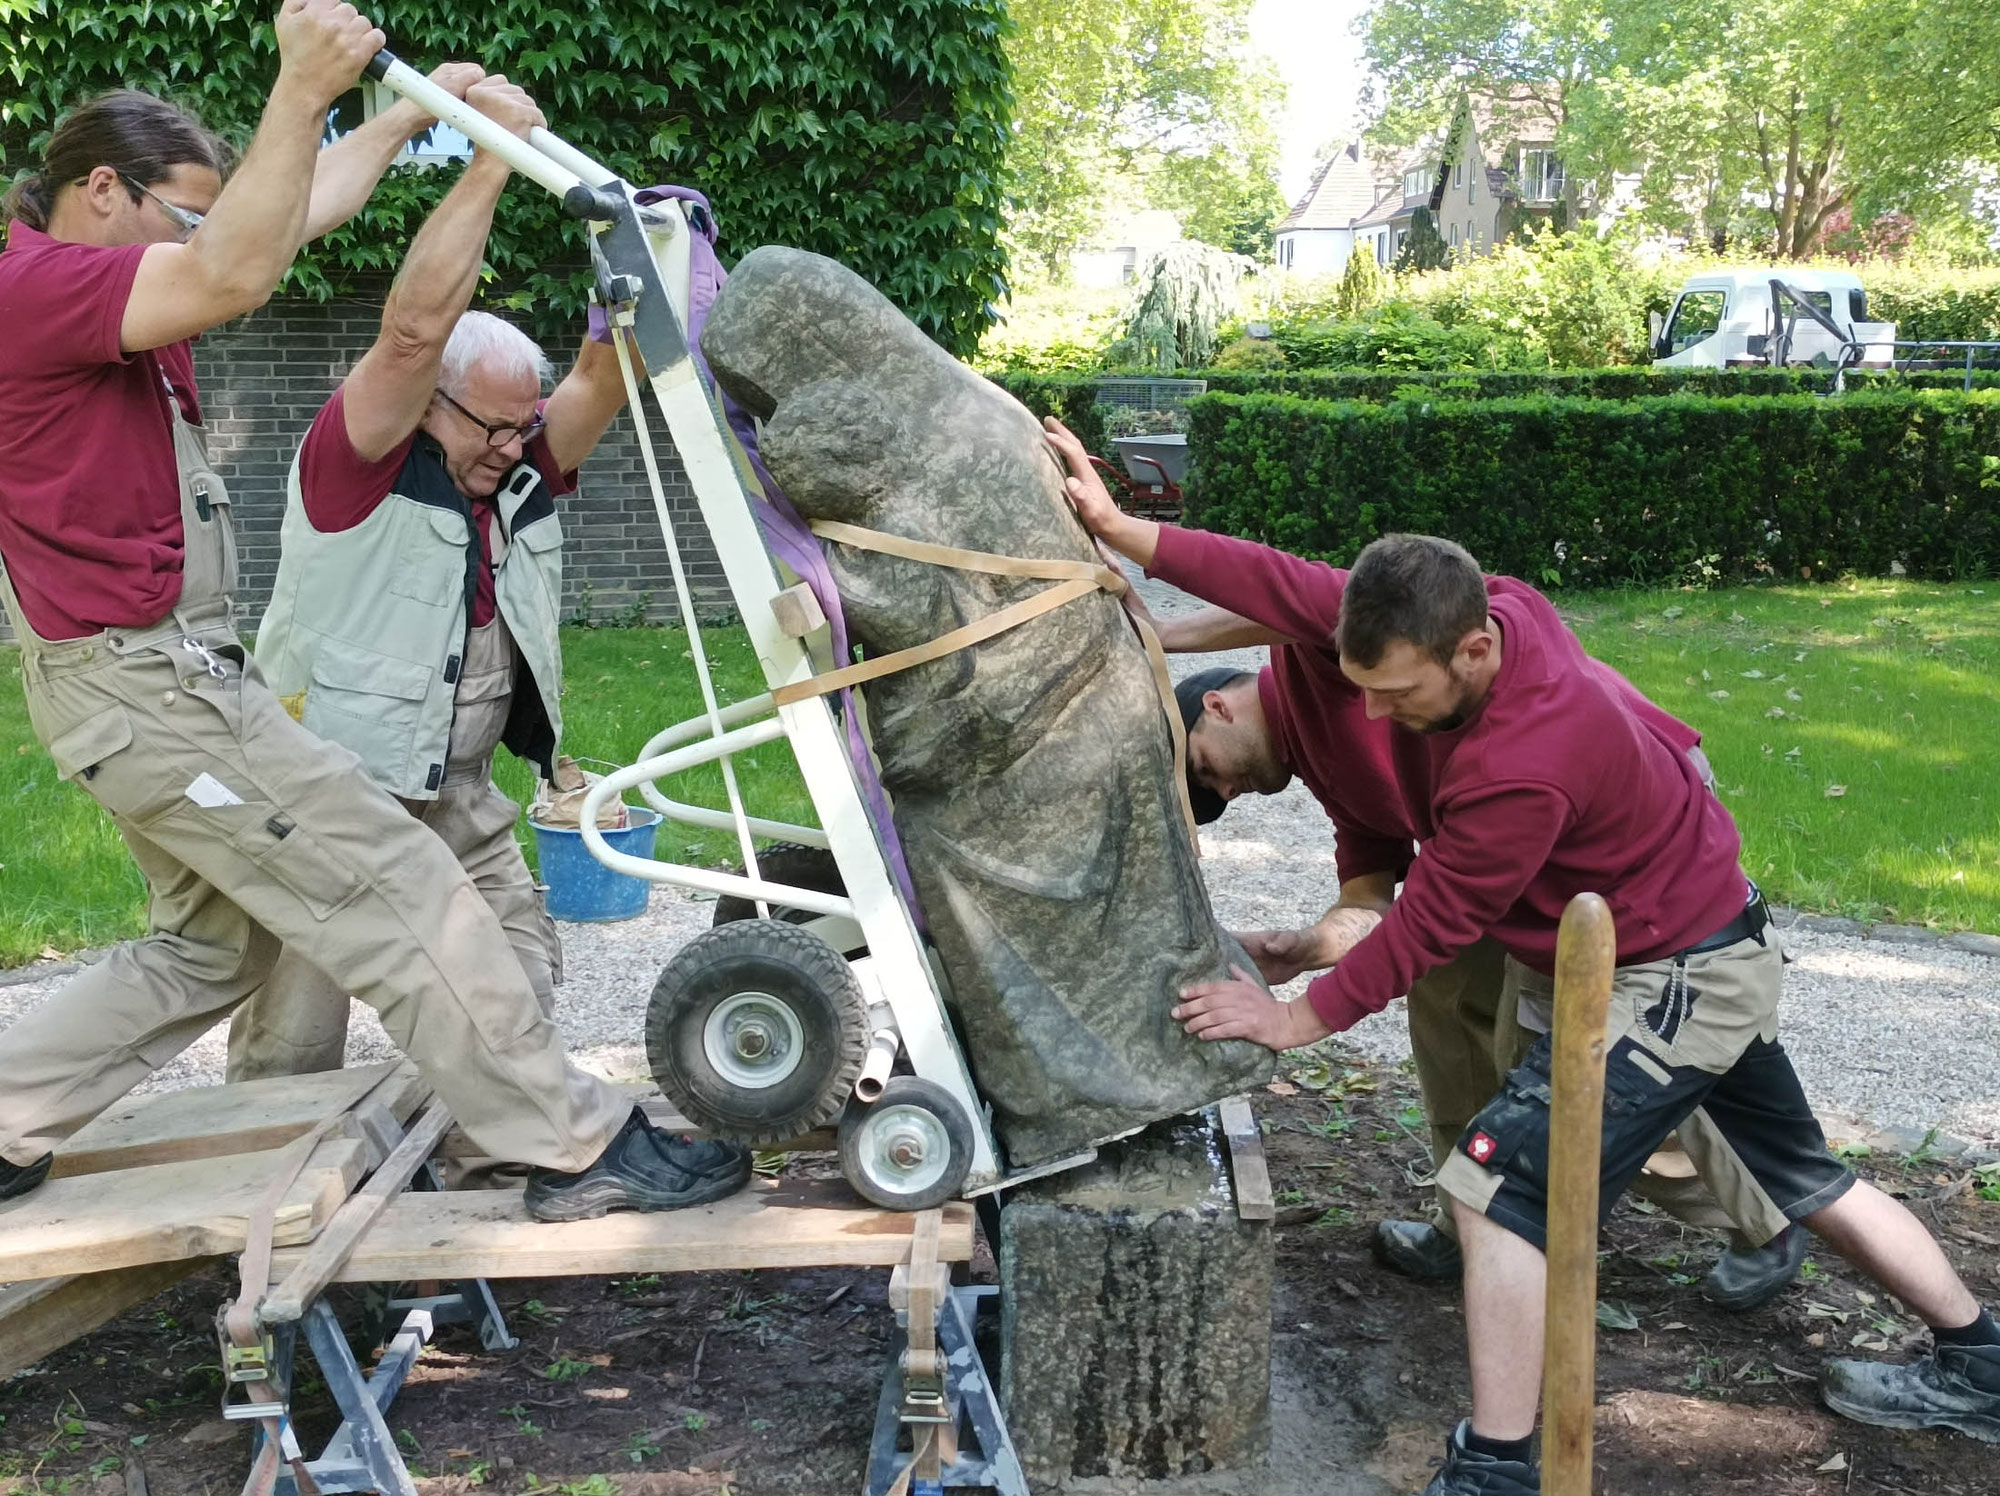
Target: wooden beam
(488, 1234)
(1586, 950)
(214, 1121)
(167, 1212)
(1246, 1160)
(41, 1317)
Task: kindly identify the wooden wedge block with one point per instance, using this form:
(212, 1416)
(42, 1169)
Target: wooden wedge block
(488, 1234)
(41, 1317)
(212, 1121)
(168, 1212)
(1247, 1166)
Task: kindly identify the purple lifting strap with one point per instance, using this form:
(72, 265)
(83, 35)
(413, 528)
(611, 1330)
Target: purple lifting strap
(785, 531)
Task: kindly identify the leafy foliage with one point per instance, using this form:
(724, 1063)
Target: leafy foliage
(873, 134)
(1424, 248)
(1179, 303)
(1594, 493)
(1167, 94)
(1363, 284)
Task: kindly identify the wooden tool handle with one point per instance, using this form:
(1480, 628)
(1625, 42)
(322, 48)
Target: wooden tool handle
(1586, 951)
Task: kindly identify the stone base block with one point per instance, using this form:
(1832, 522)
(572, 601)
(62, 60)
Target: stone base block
(1136, 1329)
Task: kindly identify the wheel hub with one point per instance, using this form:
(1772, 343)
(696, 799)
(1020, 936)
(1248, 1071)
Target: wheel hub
(906, 1149)
(753, 1040)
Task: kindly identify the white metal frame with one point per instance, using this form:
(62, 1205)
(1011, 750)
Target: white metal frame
(896, 972)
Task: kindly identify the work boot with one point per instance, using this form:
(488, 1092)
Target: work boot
(18, 1179)
(1417, 1249)
(1745, 1277)
(642, 1168)
(1468, 1474)
(1955, 1386)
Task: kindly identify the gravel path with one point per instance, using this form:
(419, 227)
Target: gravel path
(1887, 1035)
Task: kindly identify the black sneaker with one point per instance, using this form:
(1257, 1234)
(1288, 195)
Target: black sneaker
(1417, 1249)
(1747, 1277)
(18, 1179)
(1955, 1386)
(642, 1168)
(1468, 1474)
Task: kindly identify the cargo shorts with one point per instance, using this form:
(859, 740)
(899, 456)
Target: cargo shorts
(1695, 1031)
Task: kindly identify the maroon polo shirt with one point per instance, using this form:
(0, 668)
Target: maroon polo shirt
(341, 490)
(90, 506)
(1567, 781)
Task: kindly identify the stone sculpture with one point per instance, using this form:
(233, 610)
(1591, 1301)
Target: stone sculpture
(1032, 774)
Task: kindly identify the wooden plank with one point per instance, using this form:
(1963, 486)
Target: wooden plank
(316, 1267)
(1246, 1161)
(488, 1234)
(660, 1112)
(167, 1212)
(44, 1316)
(212, 1121)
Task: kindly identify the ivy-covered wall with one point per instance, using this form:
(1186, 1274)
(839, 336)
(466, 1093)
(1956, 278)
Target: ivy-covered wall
(872, 131)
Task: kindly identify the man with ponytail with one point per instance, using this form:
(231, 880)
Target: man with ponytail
(119, 572)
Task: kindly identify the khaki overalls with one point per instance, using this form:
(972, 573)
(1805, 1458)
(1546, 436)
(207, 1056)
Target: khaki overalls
(250, 831)
(298, 1022)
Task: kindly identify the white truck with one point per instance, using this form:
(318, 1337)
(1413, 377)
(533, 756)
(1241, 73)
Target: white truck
(1770, 315)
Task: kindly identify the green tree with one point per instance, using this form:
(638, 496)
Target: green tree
(1167, 93)
(1424, 247)
(1179, 302)
(1363, 286)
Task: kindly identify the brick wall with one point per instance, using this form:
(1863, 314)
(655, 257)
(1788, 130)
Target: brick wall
(265, 377)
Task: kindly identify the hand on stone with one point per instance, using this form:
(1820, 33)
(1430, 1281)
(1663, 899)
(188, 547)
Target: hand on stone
(1100, 514)
(1280, 954)
(1240, 1009)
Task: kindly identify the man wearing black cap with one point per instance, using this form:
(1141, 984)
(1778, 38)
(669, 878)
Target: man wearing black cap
(1251, 734)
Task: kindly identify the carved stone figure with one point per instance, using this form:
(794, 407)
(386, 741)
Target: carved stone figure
(1032, 774)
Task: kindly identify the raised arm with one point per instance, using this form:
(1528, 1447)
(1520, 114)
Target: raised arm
(345, 173)
(1210, 629)
(386, 394)
(232, 263)
(582, 407)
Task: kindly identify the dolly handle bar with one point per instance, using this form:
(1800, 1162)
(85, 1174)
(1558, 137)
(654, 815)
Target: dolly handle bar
(543, 158)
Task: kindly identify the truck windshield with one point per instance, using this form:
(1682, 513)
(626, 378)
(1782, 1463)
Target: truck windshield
(1696, 317)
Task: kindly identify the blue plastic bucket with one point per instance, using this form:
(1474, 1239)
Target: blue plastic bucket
(581, 887)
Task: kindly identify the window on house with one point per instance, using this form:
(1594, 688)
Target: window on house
(1541, 175)
(440, 145)
(1454, 236)
(1472, 188)
(1416, 183)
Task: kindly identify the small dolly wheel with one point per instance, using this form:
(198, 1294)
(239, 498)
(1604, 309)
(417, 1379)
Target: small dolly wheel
(795, 866)
(909, 1150)
(757, 1030)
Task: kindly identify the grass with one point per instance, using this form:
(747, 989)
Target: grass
(1883, 689)
(1854, 729)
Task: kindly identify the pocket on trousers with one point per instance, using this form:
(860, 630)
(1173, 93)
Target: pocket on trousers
(296, 858)
(98, 755)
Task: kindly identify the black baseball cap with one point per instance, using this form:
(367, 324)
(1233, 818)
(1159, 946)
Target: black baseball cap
(1205, 802)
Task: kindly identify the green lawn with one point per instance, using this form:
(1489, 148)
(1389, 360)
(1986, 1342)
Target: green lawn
(1884, 690)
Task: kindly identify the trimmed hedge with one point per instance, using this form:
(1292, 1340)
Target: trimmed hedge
(1595, 493)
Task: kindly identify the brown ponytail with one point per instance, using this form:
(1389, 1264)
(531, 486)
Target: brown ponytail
(133, 133)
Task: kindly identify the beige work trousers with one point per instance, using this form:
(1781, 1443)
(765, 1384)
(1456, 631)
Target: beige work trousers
(297, 1022)
(1465, 1036)
(299, 846)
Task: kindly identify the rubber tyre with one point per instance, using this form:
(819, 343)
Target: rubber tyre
(787, 862)
(795, 973)
(874, 1176)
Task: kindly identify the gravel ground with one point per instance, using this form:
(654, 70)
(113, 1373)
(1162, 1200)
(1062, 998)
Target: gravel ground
(1888, 1036)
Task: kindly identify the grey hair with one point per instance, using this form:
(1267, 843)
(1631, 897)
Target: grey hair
(482, 338)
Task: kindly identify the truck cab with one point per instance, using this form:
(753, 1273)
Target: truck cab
(1722, 318)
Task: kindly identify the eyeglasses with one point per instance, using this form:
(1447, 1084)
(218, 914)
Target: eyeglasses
(499, 435)
(184, 219)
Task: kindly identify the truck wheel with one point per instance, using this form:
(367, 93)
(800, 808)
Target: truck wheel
(909, 1150)
(800, 867)
(756, 1031)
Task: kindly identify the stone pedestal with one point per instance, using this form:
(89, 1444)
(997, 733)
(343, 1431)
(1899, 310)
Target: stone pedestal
(1136, 1331)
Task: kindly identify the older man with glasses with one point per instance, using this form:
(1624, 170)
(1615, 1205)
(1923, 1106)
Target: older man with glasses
(414, 615)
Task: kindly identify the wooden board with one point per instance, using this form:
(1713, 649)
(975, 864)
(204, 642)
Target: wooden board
(1246, 1161)
(168, 1212)
(488, 1234)
(40, 1317)
(212, 1121)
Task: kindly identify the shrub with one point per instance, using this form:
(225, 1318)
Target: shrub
(1592, 493)
(1251, 353)
(875, 137)
(1071, 399)
(1399, 337)
(1596, 384)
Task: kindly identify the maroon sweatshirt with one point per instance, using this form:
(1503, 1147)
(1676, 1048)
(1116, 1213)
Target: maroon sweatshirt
(1567, 780)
